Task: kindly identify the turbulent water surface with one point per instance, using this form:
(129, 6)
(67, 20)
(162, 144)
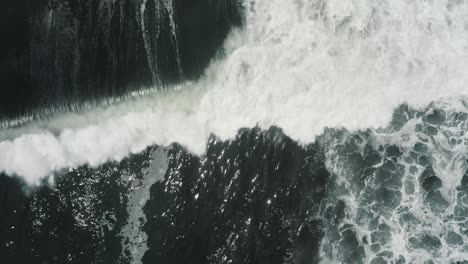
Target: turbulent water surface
(270, 131)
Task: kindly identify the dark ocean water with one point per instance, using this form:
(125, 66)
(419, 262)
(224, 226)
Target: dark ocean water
(255, 199)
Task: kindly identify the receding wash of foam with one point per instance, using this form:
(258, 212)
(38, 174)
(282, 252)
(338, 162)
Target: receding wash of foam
(402, 190)
(380, 86)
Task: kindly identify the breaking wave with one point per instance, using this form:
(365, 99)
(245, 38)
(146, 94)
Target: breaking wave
(300, 65)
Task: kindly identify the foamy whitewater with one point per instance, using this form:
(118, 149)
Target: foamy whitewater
(302, 65)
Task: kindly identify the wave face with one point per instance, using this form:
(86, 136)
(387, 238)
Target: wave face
(71, 55)
(329, 132)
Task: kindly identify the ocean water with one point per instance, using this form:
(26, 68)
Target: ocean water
(326, 132)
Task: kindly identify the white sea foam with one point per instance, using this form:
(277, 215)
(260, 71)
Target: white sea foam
(419, 212)
(302, 65)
